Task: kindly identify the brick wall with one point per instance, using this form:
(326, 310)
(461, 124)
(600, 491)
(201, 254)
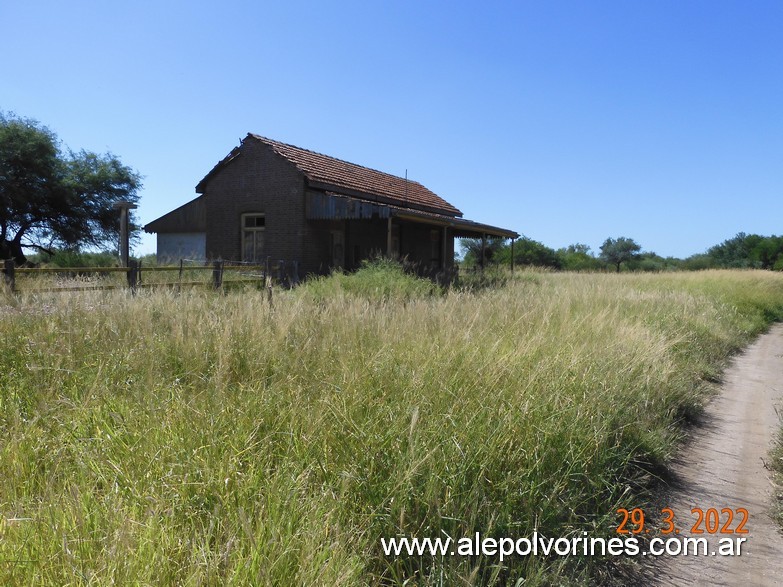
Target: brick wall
(260, 181)
(257, 181)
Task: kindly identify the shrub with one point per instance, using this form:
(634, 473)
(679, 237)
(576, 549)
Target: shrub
(378, 280)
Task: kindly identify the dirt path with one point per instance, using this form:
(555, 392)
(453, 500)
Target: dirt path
(723, 466)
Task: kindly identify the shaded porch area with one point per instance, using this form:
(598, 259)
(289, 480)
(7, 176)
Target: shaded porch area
(361, 229)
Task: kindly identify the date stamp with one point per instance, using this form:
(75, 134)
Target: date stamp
(702, 521)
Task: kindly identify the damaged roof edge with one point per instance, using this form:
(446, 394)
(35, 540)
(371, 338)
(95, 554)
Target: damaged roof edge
(461, 227)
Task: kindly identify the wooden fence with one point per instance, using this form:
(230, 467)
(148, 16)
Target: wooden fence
(218, 274)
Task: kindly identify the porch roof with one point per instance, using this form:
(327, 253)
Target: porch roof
(190, 217)
(336, 206)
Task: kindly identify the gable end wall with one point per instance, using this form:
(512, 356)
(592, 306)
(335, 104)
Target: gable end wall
(257, 181)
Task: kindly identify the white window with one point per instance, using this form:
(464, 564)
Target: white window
(253, 226)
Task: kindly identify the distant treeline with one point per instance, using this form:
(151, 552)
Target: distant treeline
(742, 251)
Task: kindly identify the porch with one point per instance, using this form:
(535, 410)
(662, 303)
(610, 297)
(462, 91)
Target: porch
(361, 229)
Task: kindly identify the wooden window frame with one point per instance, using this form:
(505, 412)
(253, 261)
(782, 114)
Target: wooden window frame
(252, 229)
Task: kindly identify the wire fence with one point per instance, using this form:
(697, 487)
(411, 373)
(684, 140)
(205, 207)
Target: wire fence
(189, 272)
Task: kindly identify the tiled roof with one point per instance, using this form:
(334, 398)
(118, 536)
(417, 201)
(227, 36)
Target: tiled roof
(342, 174)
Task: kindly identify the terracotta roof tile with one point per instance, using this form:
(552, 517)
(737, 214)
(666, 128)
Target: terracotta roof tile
(342, 174)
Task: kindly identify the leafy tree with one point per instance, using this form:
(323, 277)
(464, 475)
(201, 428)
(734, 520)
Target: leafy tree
(619, 251)
(748, 250)
(472, 249)
(529, 252)
(733, 252)
(767, 251)
(698, 262)
(578, 249)
(53, 199)
(578, 257)
(650, 261)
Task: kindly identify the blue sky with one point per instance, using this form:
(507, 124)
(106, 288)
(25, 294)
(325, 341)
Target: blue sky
(568, 121)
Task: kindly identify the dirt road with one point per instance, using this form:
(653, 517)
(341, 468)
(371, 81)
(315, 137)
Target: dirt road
(723, 465)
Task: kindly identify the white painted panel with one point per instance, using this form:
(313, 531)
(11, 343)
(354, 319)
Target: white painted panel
(173, 246)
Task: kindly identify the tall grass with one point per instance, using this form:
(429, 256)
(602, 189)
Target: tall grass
(199, 439)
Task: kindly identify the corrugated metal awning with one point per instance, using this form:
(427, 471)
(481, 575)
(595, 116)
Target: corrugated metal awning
(327, 206)
(333, 206)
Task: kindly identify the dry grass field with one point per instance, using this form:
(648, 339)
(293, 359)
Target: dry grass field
(206, 439)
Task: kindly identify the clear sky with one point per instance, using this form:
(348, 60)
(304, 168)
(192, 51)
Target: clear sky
(567, 121)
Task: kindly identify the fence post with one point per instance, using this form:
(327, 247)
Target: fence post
(133, 275)
(295, 272)
(217, 274)
(268, 280)
(483, 251)
(512, 255)
(125, 207)
(9, 271)
(282, 274)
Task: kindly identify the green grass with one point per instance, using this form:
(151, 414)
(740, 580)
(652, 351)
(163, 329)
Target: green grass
(200, 439)
(381, 280)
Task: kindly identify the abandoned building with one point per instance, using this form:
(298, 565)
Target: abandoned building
(270, 199)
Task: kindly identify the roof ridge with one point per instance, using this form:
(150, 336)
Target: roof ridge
(274, 142)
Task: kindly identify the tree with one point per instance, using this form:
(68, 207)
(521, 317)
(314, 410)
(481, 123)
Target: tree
(529, 252)
(577, 257)
(50, 198)
(619, 251)
(497, 251)
(734, 252)
(748, 250)
(472, 248)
